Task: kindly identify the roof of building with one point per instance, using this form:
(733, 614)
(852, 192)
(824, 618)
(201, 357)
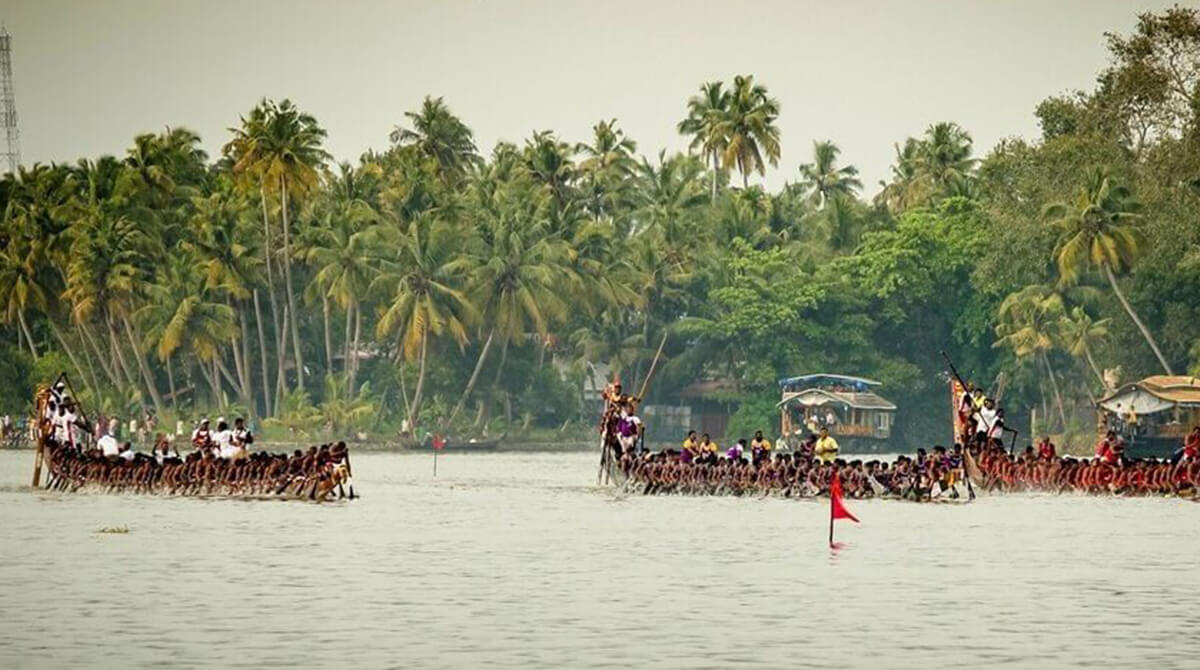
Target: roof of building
(858, 400)
(819, 377)
(1169, 390)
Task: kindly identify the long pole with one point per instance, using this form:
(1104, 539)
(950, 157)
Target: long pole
(954, 371)
(653, 365)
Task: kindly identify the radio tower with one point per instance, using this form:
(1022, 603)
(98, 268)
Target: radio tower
(8, 104)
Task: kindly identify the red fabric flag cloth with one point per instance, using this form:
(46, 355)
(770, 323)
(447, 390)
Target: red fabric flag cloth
(837, 509)
(439, 442)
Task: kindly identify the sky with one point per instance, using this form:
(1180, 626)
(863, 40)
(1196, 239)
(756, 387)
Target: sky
(89, 75)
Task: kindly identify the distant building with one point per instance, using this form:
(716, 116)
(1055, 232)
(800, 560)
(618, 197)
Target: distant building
(845, 405)
(1157, 411)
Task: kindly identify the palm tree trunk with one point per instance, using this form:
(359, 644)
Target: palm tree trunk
(328, 338)
(415, 410)
(129, 379)
(1087, 352)
(89, 380)
(287, 278)
(1062, 414)
(90, 370)
(462, 400)
(171, 386)
(213, 383)
(352, 387)
(714, 177)
(239, 364)
(275, 322)
(28, 337)
(262, 350)
(503, 360)
(247, 374)
(346, 339)
(229, 376)
(281, 372)
(140, 358)
(89, 341)
(1112, 280)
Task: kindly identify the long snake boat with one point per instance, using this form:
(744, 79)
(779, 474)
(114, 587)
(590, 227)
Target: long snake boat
(978, 463)
(74, 463)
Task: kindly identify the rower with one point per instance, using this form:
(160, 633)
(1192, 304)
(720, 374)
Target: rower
(223, 439)
(826, 447)
(760, 448)
(108, 445)
(1045, 449)
(201, 436)
(242, 437)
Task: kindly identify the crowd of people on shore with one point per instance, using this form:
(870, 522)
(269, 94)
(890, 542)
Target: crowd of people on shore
(219, 463)
(977, 461)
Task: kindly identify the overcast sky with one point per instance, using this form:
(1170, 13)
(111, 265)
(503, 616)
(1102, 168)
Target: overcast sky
(89, 75)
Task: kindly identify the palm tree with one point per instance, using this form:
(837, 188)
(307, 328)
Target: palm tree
(280, 147)
(607, 165)
(1027, 323)
(339, 251)
(517, 285)
(1079, 333)
(21, 288)
(1099, 230)
(748, 126)
(110, 265)
(904, 188)
(823, 179)
(944, 156)
(421, 275)
(227, 251)
(343, 409)
(670, 195)
(703, 123)
(550, 163)
(440, 135)
(184, 314)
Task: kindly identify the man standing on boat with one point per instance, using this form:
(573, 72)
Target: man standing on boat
(826, 448)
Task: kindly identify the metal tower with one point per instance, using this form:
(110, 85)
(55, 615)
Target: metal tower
(8, 105)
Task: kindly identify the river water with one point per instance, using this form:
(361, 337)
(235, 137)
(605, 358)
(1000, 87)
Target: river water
(519, 560)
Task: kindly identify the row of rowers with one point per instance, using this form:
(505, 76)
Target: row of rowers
(820, 445)
(229, 443)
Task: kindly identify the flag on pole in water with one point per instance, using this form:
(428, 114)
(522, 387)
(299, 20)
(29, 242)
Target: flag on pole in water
(439, 442)
(837, 508)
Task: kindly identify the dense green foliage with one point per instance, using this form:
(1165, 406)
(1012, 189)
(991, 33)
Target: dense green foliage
(434, 284)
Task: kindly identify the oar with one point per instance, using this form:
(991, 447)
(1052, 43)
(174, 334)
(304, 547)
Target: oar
(653, 365)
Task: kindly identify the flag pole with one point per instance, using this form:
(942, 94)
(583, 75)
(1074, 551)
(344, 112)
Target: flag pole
(831, 521)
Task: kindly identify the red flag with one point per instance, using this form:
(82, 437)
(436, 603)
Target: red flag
(439, 442)
(837, 509)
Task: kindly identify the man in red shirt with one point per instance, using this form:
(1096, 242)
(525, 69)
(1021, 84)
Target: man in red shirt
(1045, 449)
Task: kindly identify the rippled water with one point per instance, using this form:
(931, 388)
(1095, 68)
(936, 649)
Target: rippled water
(518, 560)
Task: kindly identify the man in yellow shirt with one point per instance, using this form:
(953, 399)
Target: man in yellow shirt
(689, 443)
(827, 447)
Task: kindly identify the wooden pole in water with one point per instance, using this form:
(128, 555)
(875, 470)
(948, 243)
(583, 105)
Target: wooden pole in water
(435, 452)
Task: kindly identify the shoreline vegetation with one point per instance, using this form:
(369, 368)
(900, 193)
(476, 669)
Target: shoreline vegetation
(437, 286)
